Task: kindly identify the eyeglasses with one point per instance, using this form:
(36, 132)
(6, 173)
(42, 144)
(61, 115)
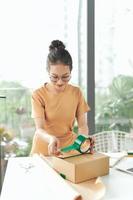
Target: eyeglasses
(63, 78)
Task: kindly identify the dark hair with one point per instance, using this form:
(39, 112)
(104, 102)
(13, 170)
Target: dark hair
(58, 54)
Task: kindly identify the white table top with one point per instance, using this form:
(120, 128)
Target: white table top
(31, 178)
(119, 185)
(115, 186)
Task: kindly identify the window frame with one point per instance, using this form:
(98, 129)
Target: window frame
(91, 64)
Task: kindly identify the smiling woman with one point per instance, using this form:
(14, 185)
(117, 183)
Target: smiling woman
(57, 104)
(59, 82)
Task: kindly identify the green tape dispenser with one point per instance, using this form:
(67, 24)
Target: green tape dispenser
(81, 144)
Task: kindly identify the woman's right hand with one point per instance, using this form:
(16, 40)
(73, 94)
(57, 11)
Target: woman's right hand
(53, 147)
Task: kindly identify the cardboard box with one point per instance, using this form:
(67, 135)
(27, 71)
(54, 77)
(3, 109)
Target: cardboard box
(82, 167)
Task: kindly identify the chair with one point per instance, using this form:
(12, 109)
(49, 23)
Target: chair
(111, 141)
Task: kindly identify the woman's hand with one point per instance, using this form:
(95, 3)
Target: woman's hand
(89, 142)
(53, 147)
(92, 144)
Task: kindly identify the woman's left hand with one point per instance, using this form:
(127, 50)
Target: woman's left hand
(91, 143)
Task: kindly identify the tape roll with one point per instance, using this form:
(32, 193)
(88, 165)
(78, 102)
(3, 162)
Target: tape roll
(81, 144)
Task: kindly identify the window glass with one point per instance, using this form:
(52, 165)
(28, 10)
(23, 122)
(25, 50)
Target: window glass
(114, 65)
(26, 29)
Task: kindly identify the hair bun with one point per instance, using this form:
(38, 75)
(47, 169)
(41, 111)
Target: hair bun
(56, 45)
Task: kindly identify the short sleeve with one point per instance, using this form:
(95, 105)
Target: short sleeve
(82, 107)
(38, 107)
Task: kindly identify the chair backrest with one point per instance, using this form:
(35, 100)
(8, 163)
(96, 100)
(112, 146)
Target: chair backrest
(110, 141)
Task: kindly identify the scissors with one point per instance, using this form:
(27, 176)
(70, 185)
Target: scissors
(82, 144)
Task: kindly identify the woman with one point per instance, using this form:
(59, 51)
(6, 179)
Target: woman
(57, 104)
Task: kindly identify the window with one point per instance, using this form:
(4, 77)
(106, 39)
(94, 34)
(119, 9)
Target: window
(114, 65)
(27, 28)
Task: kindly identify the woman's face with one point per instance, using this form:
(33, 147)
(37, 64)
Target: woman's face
(59, 75)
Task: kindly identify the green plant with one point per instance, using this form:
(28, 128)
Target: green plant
(75, 129)
(15, 108)
(6, 137)
(116, 112)
(20, 152)
(13, 146)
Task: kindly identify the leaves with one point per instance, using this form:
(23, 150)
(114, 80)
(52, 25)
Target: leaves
(117, 109)
(5, 135)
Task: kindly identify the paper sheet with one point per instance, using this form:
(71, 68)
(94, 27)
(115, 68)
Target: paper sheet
(31, 178)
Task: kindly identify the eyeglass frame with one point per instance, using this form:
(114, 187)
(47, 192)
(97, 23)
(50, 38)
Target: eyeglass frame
(58, 78)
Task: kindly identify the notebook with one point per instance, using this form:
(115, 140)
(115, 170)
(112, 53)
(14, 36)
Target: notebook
(126, 165)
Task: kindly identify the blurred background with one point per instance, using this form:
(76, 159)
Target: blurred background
(26, 29)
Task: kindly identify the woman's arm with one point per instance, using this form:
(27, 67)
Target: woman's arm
(83, 129)
(40, 131)
(53, 142)
(82, 124)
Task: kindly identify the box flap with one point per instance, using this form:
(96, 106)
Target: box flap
(82, 158)
(69, 154)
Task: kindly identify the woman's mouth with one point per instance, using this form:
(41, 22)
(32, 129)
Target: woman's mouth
(59, 86)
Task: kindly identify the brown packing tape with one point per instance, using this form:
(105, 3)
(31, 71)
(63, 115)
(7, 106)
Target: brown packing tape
(93, 189)
(69, 154)
(78, 198)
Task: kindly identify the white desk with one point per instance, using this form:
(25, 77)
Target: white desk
(30, 178)
(115, 186)
(119, 185)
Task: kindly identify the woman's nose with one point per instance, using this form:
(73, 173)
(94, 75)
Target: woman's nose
(59, 81)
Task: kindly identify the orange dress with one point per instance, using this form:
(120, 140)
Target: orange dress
(59, 111)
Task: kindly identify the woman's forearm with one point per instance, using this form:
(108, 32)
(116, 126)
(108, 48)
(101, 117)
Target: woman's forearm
(83, 130)
(43, 135)
(40, 131)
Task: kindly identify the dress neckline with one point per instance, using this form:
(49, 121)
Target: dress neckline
(58, 93)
